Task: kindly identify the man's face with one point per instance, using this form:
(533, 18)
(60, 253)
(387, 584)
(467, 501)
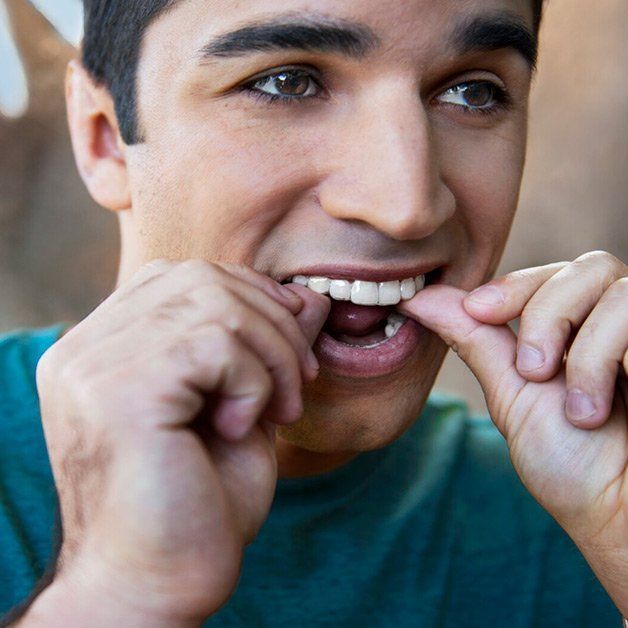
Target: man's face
(385, 153)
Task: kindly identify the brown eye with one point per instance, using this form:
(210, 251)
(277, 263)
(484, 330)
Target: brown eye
(288, 84)
(478, 94)
(474, 96)
(292, 84)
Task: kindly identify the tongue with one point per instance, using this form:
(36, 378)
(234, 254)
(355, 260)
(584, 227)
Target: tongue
(355, 320)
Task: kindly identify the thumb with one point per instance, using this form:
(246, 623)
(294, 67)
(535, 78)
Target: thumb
(488, 350)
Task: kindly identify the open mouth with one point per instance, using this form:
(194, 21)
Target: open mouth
(364, 336)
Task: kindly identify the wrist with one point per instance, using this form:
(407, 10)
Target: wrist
(64, 604)
(611, 569)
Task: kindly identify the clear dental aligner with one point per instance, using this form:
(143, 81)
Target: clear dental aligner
(364, 292)
(368, 293)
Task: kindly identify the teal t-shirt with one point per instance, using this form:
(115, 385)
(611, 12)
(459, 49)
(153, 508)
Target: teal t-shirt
(435, 530)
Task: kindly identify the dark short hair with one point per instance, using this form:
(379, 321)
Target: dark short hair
(111, 50)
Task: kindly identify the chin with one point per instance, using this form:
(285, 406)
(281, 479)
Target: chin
(345, 416)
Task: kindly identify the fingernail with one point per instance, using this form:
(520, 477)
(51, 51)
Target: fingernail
(579, 406)
(529, 358)
(487, 295)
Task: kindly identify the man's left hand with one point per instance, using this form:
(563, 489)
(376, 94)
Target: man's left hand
(557, 390)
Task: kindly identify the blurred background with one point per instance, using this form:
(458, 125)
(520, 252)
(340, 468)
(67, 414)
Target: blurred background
(58, 250)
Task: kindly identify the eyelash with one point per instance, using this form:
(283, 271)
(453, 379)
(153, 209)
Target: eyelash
(503, 100)
(249, 88)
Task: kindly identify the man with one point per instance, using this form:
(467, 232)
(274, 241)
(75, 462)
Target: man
(290, 175)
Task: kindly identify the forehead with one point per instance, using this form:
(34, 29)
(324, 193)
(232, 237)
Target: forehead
(400, 25)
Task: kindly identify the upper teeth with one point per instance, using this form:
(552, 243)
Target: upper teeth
(364, 292)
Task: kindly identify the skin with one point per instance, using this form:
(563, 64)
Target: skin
(250, 187)
(245, 186)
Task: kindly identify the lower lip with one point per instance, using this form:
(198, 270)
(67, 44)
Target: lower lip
(359, 362)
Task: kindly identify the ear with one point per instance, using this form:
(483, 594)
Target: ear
(99, 150)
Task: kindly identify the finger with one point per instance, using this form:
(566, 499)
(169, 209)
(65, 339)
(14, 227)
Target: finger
(503, 299)
(284, 321)
(212, 304)
(315, 311)
(488, 350)
(559, 306)
(146, 274)
(272, 288)
(161, 282)
(264, 295)
(217, 304)
(595, 358)
(143, 292)
(167, 386)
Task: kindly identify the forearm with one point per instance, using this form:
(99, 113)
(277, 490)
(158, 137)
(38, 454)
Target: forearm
(52, 603)
(61, 606)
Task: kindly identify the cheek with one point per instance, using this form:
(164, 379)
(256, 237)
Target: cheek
(485, 177)
(216, 193)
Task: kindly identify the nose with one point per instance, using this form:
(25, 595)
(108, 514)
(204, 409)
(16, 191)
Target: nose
(383, 168)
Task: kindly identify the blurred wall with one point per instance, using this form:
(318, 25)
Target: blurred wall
(58, 251)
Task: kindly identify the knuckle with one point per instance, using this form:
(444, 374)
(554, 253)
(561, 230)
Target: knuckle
(583, 348)
(214, 338)
(146, 275)
(603, 261)
(618, 290)
(217, 341)
(235, 321)
(285, 321)
(536, 314)
(540, 323)
(234, 268)
(212, 294)
(159, 265)
(526, 276)
(216, 302)
(200, 270)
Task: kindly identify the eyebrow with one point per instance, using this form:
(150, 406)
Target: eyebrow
(313, 34)
(496, 32)
(490, 32)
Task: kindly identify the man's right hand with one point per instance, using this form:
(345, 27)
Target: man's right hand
(159, 411)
